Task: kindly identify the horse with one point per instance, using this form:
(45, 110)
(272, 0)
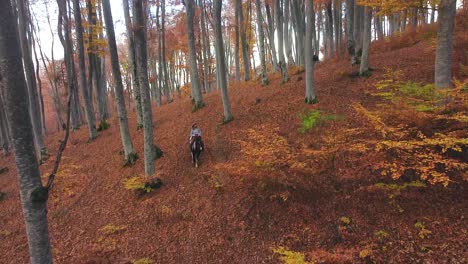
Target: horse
(195, 148)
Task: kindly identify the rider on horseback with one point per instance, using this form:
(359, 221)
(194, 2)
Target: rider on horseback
(194, 133)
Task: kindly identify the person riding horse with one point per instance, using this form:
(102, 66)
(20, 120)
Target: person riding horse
(195, 133)
(196, 144)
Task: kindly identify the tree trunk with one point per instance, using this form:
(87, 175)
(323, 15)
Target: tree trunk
(261, 40)
(364, 67)
(220, 59)
(329, 24)
(236, 47)
(81, 64)
(194, 78)
(163, 42)
(337, 24)
(14, 89)
(132, 62)
(443, 60)
(119, 92)
(205, 47)
(34, 109)
(271, 36)
(279, 29)
(287, 41)
(139, 27)
(5, 135)
(243, 36)
(309, 60)
(350, 27)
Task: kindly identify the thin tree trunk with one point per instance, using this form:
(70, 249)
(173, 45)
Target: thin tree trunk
(309, 62)
(34, 109)
(279, 29)
(163, 42)
(14, 89)
(261, 40)
(81, 64)
(194, 78)
(63, 23)
(5, 135)
(119, 91)
(443, 60)
(39, 84)
(329, 24)
(236, 47)
(205, 47)
(287, 41)
(243, 36)
(271, 36)
(132, 62)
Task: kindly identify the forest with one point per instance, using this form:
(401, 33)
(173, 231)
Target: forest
(334, 131)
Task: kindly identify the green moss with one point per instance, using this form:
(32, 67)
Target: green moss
(425, 108)
(314, 118)
(422, 92)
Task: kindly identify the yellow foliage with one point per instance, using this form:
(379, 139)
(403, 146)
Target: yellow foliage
(423, 232)
(372, 118)
(112, 229)
(345, 220)
(137, 183)
(290, 257)
(365, 253)
(142, 261)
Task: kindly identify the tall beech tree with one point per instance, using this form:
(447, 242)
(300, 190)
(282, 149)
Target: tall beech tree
(221, 60)
(139, 27)
(132, 62)
(309, 61)
(364, 67)
(65, 39)
(195, 84)
(279, 31)
(34, 109)
(261, 41)
(130, 155)
(14, 90)
(243, 36)
(82, 77)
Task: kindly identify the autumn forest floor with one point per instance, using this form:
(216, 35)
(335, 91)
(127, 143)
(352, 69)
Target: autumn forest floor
(265, 191)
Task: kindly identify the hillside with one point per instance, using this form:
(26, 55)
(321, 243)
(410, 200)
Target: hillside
(265, 190)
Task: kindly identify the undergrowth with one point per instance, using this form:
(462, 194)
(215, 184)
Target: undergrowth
(112, 229)
(408, 140)
(314, 118)
(142, 184)
(142, 261)
(103, 125)
(290, 257)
